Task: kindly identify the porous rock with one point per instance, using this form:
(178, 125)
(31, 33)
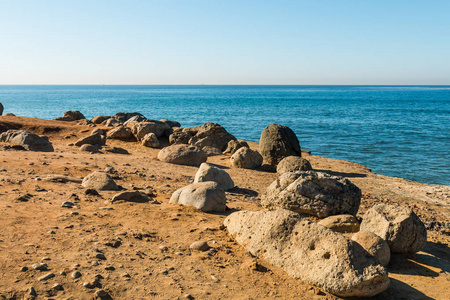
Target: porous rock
(183, 155)
(246, 158)
(120, 133)
(26, 139)
(313, 193)
(212, 151)
(213, 135)
(143, 128)
(206, 196)
(292, 164)
(99, 181)
(180, 137)
(373, 244)
(309, 252)
(277, 142)
(235, 145)
(150, 140)
(341, 223)
(208, 172)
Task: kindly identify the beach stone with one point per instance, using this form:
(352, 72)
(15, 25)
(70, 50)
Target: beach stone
(313, 193)
(235, 145)
(99, 181)
(1, 109)
(277, 142)
(398, 225)
(29, 141)
(98, 131)
(211, 151)
(292, 164)
(46, 277)
(309, 252)
(183, 155)
(99, 119)
(135, 119)
(206, 196)
(213, 135)
(5, 126)
(89, 148)
(131, 196)
(120, 133)
(116, 150)
(71, 115)
(208, 172)
(180, 137)
(150, 140)
(373, 244)
(40, 266)
(341, 223)
(95, 139)
(246, 158)
(9, 115)
(122, 117)
(199, 246)
(170, 123)
(143, 128)
(111, 122)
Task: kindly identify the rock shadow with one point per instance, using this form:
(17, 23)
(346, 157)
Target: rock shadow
(342, 174)
(401, 264)
(399, 290)
(242, 191)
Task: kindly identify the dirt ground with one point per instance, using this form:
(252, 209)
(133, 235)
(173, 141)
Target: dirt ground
(145, 246)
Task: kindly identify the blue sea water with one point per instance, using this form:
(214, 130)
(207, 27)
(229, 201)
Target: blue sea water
(401, 131)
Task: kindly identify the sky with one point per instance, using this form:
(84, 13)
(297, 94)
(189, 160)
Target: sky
(349, 42)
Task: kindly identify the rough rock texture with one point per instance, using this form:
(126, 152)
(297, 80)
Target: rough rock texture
(313, 193)
(211, 151)
(208, 172)
(131, 196)
(213, 135)
(1, 109)
(5, 126)
(235, 145)
(95, 139)
(111, 122)
(172, 124)
(180, 137)
(206, 196)
(292, 164)
(277, 142)
(122, 117)
(99, 119)
(26, 139)
(183, 155)
(71, 115)
(143, 128)
(137, 119)
(99, 181)
(120, 133)
(150, 140)
(341, 223)
(373, 244)
(398, 225)
(307, 251)
(246, 158)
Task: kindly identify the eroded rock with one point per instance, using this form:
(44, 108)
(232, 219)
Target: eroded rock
(373, 244)
(99, 181)
(28, 140)
(277, 142)
(208, 172)
(292, 164)
(246, 158)
(206, 196)
(183, 155)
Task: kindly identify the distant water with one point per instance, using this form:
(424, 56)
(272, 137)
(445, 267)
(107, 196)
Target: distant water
(401, 131)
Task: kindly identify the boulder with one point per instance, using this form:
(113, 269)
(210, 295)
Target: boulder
(111, 122)
(132, 196)
(183, 155)
(120, 133)
(137, 119)
(398, 225)
(99, 119)
(309, 252)
(71, 115)
(28, 140)
(95, 139)
(172, 124)
(9, 115)
(122, 117)
(89, 148)
(206, 196)
(211, 151)
(208, 172)
(235, 145)
(292, 164)
(5, 126)
(313, 193)
(277, 142)
(150, 140)
(373, 244)
(116, 150)
(341, 223)
(246, 158)
(98, 131)
(180, 137)
(1, 109)
(213, 135)
(99, 181)
(158, 128)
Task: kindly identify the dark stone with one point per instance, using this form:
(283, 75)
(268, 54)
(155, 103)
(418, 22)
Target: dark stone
(277, 142)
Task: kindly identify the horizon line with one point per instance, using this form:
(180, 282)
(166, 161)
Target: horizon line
(201, 84)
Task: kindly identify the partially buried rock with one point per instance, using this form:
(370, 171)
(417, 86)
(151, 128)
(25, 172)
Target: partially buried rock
(180, 137)
(208, 172)
(99, 119)
(99, 181)
(89, 148)
(94, 139)
(199, 246)
(116, 150)
(182, 155)
(246, 158)
(150, 140)
(141, 129)
(277, 142)
(213, 135)
(373, 244)
(171, 123)
(313, 193)
(398, 225)
(292, 164)
(71, 115)
(132, 196)
(235, 145)
(206, 196)
(341, 223)
(27, 140)
(309, 252)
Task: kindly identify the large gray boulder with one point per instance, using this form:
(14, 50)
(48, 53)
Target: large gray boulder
(373, 244)
(309, 252)
(71, 115)
(183, 155)
(206, 196)
(93, 139)
(246, 158)
(292, 164)
(313, 193)
(277, 142)
(143, 128)
(213, 135)
(208, 172)
(99, 181)
(398, 225)
(120, 133)
(26, 139)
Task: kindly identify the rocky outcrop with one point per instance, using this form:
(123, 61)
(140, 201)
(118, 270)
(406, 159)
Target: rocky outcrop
(150, 140)
(143, 128)
(28, 140)
(277, 142)
(373, 244)
(235, 145)
(213, 135)
(313, 193)
(211, 151)
(246, 158)
(120, 133)
(398, 225)
(292, 164)
(208, 172)
(310, 252)
(341, 223)
(183, 155)
(99, 181)
(71, 115)
(206, 196)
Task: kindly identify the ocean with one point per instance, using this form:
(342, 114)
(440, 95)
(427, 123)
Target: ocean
(399, 131)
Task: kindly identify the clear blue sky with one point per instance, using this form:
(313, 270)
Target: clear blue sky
(224, 42)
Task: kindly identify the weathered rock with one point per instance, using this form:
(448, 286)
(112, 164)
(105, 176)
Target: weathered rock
(313, 193)
(182, 155)
(211, 151)
(246, 158)
(5, 126)
(95, 139)
(172, 124)
(235, 145)
(99, 181)
(143, 128)
(206, 196)
(62, 178)
(122, 117)
(292, 164)
(99, 119)
(277, 142)
(89, 148)
(1, 109)
(199, 246)
(398, 225)
(341, 223)
(373, 244)
(71, 115)
(120, 133)
(111, 122)
(180, 137)
(150, 140)
(98, 131)
(132, 196)
(116, 150)
(137, 119)
(213, 135)
(208, 172)
(46, 277)
(9, 115)
(26, 139)
(310, 252)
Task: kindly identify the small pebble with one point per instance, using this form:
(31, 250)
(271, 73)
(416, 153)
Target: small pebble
(67, 204)
(57, 287)
(100, 256)
(32, 292)
(40, 266)
(199, 246)
(76, 275)
(101, 293)
(74, 213)
(46, 277)
(163, 248)
(24, 269)
(188, 296)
